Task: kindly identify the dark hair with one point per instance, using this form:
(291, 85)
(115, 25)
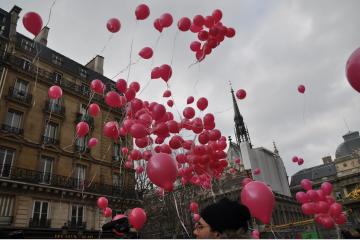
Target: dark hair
(226, 215)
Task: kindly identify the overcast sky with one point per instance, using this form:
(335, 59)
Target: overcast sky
(278, 45)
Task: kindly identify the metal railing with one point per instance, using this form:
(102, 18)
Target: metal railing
(19, 96)
(11, 129)
(41, 223)
(37, 177)
(50, 140)
(76, 224)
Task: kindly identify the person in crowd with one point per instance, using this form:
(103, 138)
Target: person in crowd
(224, 219)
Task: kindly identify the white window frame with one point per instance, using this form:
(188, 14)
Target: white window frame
(48, 130)
(77, 206)
(12, 124)
(21, 87)
(26, 64)
(2, 161)
(45, 162)
(41, 208)
(82, 109)
(80, 176)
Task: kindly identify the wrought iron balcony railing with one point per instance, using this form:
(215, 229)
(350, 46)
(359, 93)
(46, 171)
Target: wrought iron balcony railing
(57, 109)
(76, 224)
(39, 223)
(11, 129)
(50, 140)
(59, 181)
(19, 96)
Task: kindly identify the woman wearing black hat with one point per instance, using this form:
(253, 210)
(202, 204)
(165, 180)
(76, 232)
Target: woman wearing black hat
(225, 219)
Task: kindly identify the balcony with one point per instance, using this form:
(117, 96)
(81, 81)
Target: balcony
(50, 140)
(64, 182)
(10, 129)
(56, 109)
(40, 223)
(18, 96)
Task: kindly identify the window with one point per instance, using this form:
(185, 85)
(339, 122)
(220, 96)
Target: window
(51, 130)
(58, 77)
(81, 143)
(13, 119)
(82, 109)
(27, 45)
(26, 64)
(83, 73)
(40, 213)
(117, 154)
(77, 215)
(6, 209)
(55, 105)
(21, 88)
(116, 180)
(46, 169)
(56, 59)
(6, 160)
(80, 172)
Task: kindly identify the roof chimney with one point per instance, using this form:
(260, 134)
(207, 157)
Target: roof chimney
(14, 13)
(96, 64)
(42, 36)
(327, 159)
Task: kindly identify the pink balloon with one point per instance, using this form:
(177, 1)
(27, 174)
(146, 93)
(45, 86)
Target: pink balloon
(300, 161)
(94, 109)
(137, 218)
(82, 128)
(92, 142)
(313, 196)
(170, 103)
(256, 194)
(166, 72)
(128, 165)
(139, 169)
(196, 217)
(158, 25)
(195, 46)
(295, 159)
(32, 22)
(113, 99)
(190, 100)
(138, 130)
(162, 170)
(230, 32)
(55, 92)
(302, 197)
(308, 208)
(306, 184)
(166, 20)
(107, 212)
(184, 24)
(326, 187)
(194, 207)
(167, 93)
(335, 209)
(117, 217)
(142, 12)
(146, 53)
(241, 94)
(217, 15)
(340, 219)
(353, 70)
(121, 85)
(97, 86)
(135, 86)
(330, 199)
(199, 20)
(301, 88)
(255, 234)
(257, 171)
(102, 202)
(189, 112)
(202, 103)
(327, 222)
(322, 207)
(111, 130)
(113, 25)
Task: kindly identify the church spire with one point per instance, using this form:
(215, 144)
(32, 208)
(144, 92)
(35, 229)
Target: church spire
(241, 132)
(276, 151)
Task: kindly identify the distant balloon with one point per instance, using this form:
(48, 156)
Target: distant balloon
(301, 89)
(142, 12)
(113, 25)
(146, 53)
(241, 94)
(353, 70)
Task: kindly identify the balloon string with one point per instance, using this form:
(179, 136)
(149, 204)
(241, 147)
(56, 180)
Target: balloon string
(92, 94)
(172, 97)
(107, 43)
(173, 49)
(177, 211)
(131, 49)
(52, 5)
(126, 68)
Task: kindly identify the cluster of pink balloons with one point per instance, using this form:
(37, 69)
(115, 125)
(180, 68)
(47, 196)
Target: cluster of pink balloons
(103, 203)
(321, 204)
(164, 71)
(298, 160)
(210, 31)
(259, 198)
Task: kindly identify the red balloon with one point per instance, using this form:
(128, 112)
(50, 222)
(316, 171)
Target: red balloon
(322, 206)
(353, 70)
(121, 85)
(129, 164)
(302, 197)
(92, 142)
(138, 130)
(217, 15)
(55, 92)
(137, 218)
(190, 100)
(301, 88)
(200, 55)
(255, 194)
(209, 21)
(257, 171)
(111, 130)
(113, 25)
(195, 46)
(156, 73)
(203, 138)
(300, 161)
(158, 111)
(308, 208)
(94, 109)
(135, 155)
(107, 212)
(130, 94)
(146, 53)
(203, 35)
(241, 94)
(32, 22)
(189, 112)
(176, 142)
(139, 169)
(166, 20)
(340, 219)
(327, 222)
(113, 99)
(199, 20)
(295, 159)
(162, 170)
(166, 72)
(173, 126)
(194, 207)
(102, 202)
(230, 32)
(143, 142)
(82, 128)
(158, 25)
(246, 181)
(196, 217)
(167, 93)
(202, 103)
(184, 24)
(142, 12)
(135, 86)
(97, 86)
(312, 194)
(306, 184)
(326, 187)
(195, 29)
(170, 103)
(335, 209)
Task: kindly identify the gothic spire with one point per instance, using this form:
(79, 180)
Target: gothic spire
(241, 132)
(276, 151)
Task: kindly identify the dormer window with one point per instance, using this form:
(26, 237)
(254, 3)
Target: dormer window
(56, 59)
(83, 72)
(27, 45)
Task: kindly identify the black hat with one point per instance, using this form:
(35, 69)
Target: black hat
(226, 215)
